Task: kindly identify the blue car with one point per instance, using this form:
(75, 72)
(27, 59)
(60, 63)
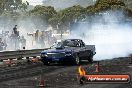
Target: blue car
(68, 51)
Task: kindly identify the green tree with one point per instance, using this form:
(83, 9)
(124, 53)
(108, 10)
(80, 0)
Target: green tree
(2, 2)
(43, 12)
(104, 5)
(64, 17)
(10, 5)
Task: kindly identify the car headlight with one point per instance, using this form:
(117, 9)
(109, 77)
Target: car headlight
(44, 55)
(68, 54)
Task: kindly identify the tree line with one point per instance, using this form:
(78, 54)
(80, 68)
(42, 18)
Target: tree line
(63, 17)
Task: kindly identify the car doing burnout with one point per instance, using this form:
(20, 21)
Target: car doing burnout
(68, 51)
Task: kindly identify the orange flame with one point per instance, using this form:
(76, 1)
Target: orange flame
(81, 71)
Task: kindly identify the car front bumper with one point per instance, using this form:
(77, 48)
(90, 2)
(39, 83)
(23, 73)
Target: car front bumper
(54, 59)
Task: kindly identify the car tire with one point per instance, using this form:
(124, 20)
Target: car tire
(46, 63)
(76, 60)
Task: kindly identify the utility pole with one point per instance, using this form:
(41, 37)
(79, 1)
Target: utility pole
(61, 34)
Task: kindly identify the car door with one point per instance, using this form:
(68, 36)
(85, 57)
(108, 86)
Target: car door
(82, 51)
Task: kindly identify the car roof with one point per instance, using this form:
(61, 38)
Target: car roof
(72, 39)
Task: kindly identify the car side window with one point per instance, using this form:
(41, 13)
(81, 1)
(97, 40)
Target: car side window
(82, 43)
(78, 43)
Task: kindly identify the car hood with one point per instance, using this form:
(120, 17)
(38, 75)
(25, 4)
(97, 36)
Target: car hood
(54, 50)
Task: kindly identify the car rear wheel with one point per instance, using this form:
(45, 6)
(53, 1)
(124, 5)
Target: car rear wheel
(90, 59)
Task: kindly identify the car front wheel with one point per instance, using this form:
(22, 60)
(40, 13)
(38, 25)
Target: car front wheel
(76, 60)
(46, 63)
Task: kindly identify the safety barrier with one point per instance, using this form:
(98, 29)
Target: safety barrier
(20, 53)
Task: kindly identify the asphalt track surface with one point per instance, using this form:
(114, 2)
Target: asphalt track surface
(59, 76)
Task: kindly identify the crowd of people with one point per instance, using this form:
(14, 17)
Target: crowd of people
(44, 38)
(13, 40)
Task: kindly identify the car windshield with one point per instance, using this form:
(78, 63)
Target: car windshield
(66, 43)
(57, 45)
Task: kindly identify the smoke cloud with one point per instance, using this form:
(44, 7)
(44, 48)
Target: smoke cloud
(110, 34)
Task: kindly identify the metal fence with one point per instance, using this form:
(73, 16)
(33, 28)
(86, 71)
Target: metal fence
(20, 53)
